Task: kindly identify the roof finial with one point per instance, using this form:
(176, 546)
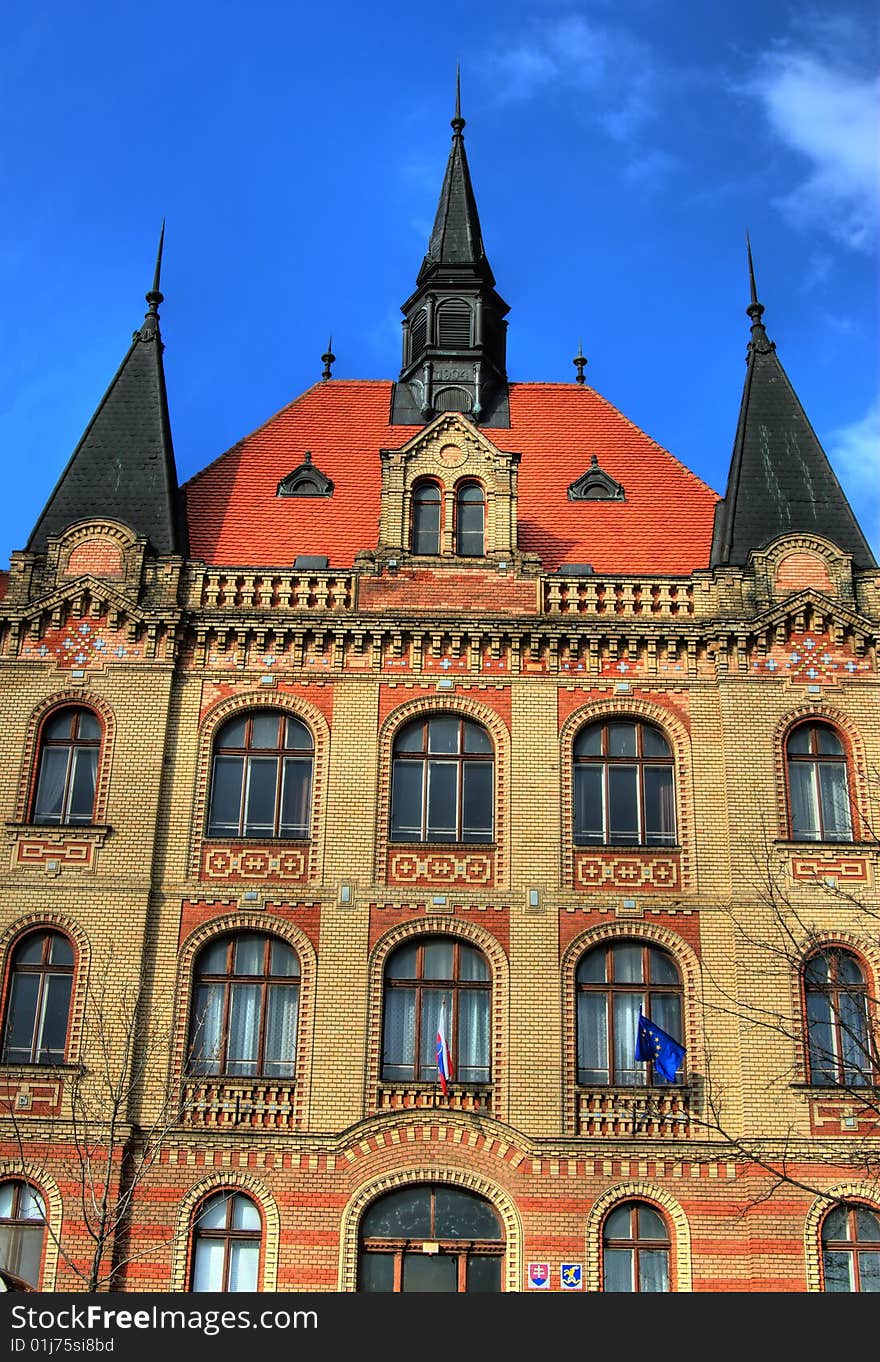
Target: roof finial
(754, 309)
(457, 122)
(328, 359)
(579, 363)
(154, 297)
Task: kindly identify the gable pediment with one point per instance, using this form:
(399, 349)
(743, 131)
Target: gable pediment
(450, 446)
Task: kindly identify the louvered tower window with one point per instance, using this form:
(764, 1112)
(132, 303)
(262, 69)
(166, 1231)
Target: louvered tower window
(454, 324)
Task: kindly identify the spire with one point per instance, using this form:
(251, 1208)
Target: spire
(579, 363)
(780, 480)
(123, 467)
(327, 359)
(454, 333)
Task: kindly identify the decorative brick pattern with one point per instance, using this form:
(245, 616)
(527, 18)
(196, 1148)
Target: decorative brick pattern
(606, 869)
(849, 870)
(462, 869)
(255, 862)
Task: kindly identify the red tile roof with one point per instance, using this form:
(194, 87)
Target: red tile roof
(664, 526)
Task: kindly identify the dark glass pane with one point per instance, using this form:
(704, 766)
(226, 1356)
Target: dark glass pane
(837, 1271)
(30, 949)
(265, 730)
(426, 521)
(834, 798)
(88, 728)
(226, 796)
(81, 799)
(659, 805)
(376, 1272)
(835, 1226)
(297, 736)
(589, 824)
(653, 743)
(799, 740)
(242, 1045)
(816, 970)
(283, 960)
(398, 1035)
(213, 959)
(627, 959)
(406, 801)
(623, 806)
(250, 953)
(405, 1214)
(430, 1272)
(443, 734)
(619, 1223)
(411, 738)
(49, 799)
(60, 949)
(626, 1015)
(442, 801)
(867, 1225)
(653, 1270)
(437, 959)
(650, 1224)
(245, 1215)
(804, 801)
(60, 727)
(592, 1038)
(621, 740)
(205, 1038)
(232, 734)
(618, 1270)
(296, 791)
(472, 964)
(472, 1041)
(591, 969)
(869, 1271)
(827, 742)
(662, 967)
(823, 1060)
(21, 1248)
(483, 1273)
(402, 964)
(848, 968)
(476, 803)
(21, 1018)
(461, 1215)
(430, 1003)
(56, 1009)
(262, 785)
(279, 1058)
(476, 739)
(588, 742)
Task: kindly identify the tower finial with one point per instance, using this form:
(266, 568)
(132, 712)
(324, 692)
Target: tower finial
(155, 297)
(579, 363)
(327, 360)
(754, 309)
(457, 122)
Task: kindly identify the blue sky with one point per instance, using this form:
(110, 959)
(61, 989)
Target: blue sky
(619, 151)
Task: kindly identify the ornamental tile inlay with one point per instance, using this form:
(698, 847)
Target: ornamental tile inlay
(83, 645)
(811, 658)
(597, 871)
(469, 868)
(849, 869)
(254, 863)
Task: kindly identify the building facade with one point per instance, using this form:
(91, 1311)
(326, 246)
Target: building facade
(450, 711)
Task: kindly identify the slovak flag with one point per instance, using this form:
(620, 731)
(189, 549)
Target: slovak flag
(444, 1063)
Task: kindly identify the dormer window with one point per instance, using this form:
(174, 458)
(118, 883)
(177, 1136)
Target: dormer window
(595, 485)
(426, 518)
(470, 520)
(305, 481)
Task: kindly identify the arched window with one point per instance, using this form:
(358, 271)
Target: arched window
(635, 1249)
(226, 1244)
(838, 1020)
(851, 1249)
(262, 778)
(431, 1238)
(454, 324)
(623, 785)
(818, 790)
(426, 518)
(70, 743)
(614, 982)
(22, 1231)
(422, 977)
(470, 520)
(243, 1018)
(442, 781)
(38, 1002)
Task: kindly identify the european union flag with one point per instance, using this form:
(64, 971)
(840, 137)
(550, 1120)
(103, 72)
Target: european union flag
(658, 1048)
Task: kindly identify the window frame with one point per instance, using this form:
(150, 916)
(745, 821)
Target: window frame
(814, 760)
(75, 746)
(424, 758)
(605, 763)
(247, 754)
(417, 502)
(635, 1244)
(227, 1235)
(422, 987)
(463, 1249)
(44, 969)
(228, 981)
(610, 989)
(853, 1247)
(18, 1226)
(458, 530)
(831, 992)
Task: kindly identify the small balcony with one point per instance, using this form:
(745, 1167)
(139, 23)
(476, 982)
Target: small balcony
(471, 1097)
(663, 1113)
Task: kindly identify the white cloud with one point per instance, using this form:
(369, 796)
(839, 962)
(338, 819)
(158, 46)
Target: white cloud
(854, 451)
(829, 116)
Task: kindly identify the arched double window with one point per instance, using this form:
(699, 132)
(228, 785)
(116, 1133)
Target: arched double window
(624, 792)
(22, 1231)
(839, 1040)
(38, 1000)
(851, 1249)
(67, 767)
(818, 787)
(614, 982)
(442, 781)
(227, 1233)
(431, 1238)
(422, 978)
(470, 520)
(635, 1249)
(426, 504)
(243, 1018)
(261, 784)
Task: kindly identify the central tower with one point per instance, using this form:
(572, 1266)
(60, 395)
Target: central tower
(454, 332)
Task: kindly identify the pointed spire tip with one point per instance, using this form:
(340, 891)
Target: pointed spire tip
(457, 124)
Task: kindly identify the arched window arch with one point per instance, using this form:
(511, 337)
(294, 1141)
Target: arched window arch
(67, 767)
(454, 329)
(635, 1248)
(426, 504)
(22, 1231)
(431, 1237)
(851, 1249)
(37, 1014)
(818, 784)
(422, 977)
(624, 789)
(227, 1236)
(839, 1041)
(442, 778)
(245, 1006)
(470, 520)
(614, 982)
(261, 782)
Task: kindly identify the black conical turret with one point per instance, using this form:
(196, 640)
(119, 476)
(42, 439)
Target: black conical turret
(123, 467)
(780, 480)
(454, 333)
